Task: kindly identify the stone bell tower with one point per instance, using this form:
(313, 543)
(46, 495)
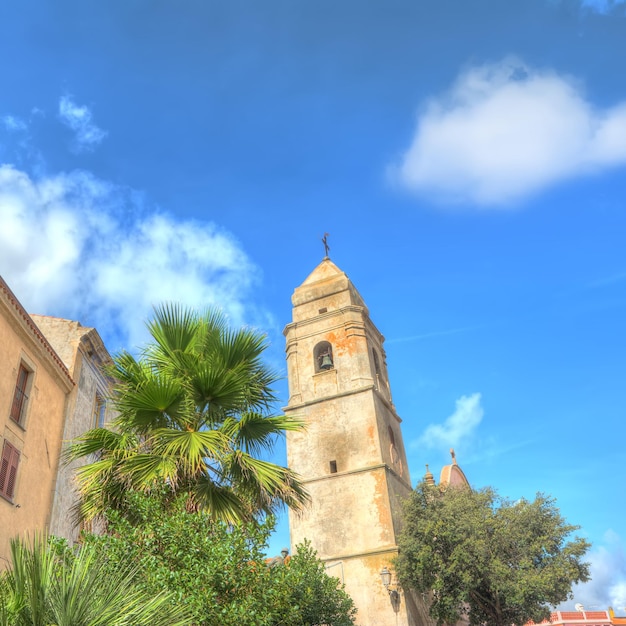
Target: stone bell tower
(351, 456)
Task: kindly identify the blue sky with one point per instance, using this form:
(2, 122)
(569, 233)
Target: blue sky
(467, 158)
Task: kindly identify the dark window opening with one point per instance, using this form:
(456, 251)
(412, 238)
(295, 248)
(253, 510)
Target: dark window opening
(323, 356)
(392, 439)
(323, 310)
(376, 362)
(20, 396)
(333, 467)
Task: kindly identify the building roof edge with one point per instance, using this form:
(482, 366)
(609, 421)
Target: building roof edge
(28, 322)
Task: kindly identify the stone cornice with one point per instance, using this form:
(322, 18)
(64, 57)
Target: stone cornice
(350, 392)
(359, 470)
(32, 332)
(357, 555)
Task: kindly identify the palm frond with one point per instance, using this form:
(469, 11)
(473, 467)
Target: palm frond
(143, 470)
(195, 408)
(174, 329)
(190, 448)
(257, 433)
(29, 582)
(221, 502)
(154, 402)
(94, 441)
(217, 388)
(42, 588)
(267, 485)
(242, 346)
(126, 369)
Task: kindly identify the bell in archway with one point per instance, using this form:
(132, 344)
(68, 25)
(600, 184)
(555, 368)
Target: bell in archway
(327, 362)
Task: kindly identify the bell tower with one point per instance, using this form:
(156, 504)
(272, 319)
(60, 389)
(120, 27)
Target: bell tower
(351, 456)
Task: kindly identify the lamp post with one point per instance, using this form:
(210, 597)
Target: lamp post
(394, 594)
(385, 576)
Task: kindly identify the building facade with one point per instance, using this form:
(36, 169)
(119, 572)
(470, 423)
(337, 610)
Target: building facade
(34, 389)
(351, 456)
(82, 351)
(52, 389)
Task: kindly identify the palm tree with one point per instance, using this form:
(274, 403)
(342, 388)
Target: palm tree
(194, 419)
(45, 588)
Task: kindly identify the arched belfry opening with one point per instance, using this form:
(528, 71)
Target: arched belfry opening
(323, 356)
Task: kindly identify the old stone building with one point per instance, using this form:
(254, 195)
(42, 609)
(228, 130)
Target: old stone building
(34, 389)
(51, 390)
(351, 456)
(82, 351)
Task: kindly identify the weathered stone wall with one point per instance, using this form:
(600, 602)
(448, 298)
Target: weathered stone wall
(351, 456)
(84, 355)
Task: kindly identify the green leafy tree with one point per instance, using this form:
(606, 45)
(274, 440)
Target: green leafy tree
(493, 561)
(182, 487)
(218, 571)
(50, 586)
(194, 415)
(311, 596)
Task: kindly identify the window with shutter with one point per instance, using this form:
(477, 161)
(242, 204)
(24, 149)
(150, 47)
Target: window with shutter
(20, 397)
(8, 470)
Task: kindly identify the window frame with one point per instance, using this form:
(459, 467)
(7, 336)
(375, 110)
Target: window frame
(9, 463)
(376, 360)
(99, 411)
(21, 394)
(321, 349)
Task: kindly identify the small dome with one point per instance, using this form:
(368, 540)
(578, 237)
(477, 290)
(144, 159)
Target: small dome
(452, 475)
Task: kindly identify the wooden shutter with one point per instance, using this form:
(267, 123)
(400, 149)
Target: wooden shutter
(19, 397)
(8, 470)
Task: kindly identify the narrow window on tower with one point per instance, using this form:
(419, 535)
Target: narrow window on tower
(333, 467)
(376, 362)
(376, 369)
(393, 452)
(323, 357)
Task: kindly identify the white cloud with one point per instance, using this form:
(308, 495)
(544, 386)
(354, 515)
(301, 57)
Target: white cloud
(607, 586)
(458, 427)
(86, 134)
(602, 6)
(505, 131)
(13, 124)
(74, 246)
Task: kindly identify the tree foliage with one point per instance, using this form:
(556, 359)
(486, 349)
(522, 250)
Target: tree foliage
(313, 597)
(47, 585)
(195, 415)
(483, 557)
(218, 571)
(182, 486)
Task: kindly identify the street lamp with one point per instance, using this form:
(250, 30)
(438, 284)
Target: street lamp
(385, 576)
